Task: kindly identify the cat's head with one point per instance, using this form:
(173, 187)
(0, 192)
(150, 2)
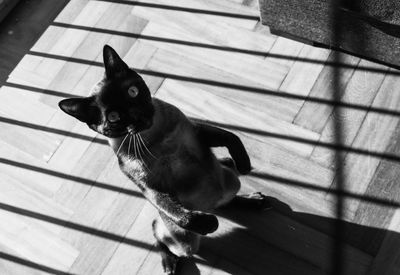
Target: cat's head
(118, 104)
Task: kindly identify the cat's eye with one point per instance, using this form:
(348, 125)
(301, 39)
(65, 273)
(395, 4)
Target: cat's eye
(113, 117)
(133, 91)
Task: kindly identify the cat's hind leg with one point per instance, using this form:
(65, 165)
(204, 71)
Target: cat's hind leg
(252, 201)
(173, 243)
(169, 260)
(229, 182)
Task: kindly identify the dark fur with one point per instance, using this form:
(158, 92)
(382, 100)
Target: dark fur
(178, 174)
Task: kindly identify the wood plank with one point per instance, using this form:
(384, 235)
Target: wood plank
(87, 211)
(19, 194)
(204, 7)
(35, 244)
(14, 106)
(127, 259)
(274, 106)
(65, 158)
(90, 78)
(13, 160)
(224, 111)
(314, 115)
(282, 48)
(303, 75)
(168, 62)
(362, 89)
(127, 209)
(382, 185)
(65, 81)
(118, 18)
(95, 159)
(25, 73)
(209, 31)
(98, 209)
(71, 11)
(49, 37)
(37, 143)
(245, 66)
(10, 266)
(24, 197)
(359, 169)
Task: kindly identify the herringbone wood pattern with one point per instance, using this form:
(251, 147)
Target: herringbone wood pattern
(65, 207)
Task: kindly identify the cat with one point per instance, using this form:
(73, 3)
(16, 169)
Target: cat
(167, 156)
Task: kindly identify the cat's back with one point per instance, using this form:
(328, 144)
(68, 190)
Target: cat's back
(175, 129)
(184, 164)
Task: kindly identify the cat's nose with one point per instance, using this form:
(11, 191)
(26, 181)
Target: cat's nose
(131, 129)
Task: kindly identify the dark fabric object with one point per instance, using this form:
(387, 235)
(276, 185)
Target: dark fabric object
(385, 10)
(6, 6)
(371, 28)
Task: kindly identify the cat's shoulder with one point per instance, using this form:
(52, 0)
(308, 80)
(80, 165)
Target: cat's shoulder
(170, 112)
(171, 117)
(164, 106)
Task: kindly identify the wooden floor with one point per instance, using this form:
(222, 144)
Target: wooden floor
(65, 208)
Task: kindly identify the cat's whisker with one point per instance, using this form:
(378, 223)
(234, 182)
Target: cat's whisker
(138, 148)
(140, 155)
(140, 143)
(129, 146)
(134, 145)
(145, 147)
(120, 146)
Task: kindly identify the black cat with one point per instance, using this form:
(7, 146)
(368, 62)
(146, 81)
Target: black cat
(166, 155)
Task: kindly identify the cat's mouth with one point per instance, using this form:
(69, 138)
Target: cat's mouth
(130, 129)
(136, 128)
(114, 133)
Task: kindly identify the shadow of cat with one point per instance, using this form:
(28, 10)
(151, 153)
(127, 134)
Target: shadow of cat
(282, 241)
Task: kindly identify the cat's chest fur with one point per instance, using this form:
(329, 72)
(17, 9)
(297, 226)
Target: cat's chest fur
(172, 160)
(180, 163)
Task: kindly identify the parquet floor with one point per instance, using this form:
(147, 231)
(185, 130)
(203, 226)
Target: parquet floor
(66, 208)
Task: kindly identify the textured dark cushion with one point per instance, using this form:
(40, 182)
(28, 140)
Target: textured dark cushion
(371, 28)
(6, 6)
(385, 10)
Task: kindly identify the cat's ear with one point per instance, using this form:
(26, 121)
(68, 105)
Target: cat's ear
(113, 64)
(76, 107)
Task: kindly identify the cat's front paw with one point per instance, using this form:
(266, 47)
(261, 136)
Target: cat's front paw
(202, 223)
